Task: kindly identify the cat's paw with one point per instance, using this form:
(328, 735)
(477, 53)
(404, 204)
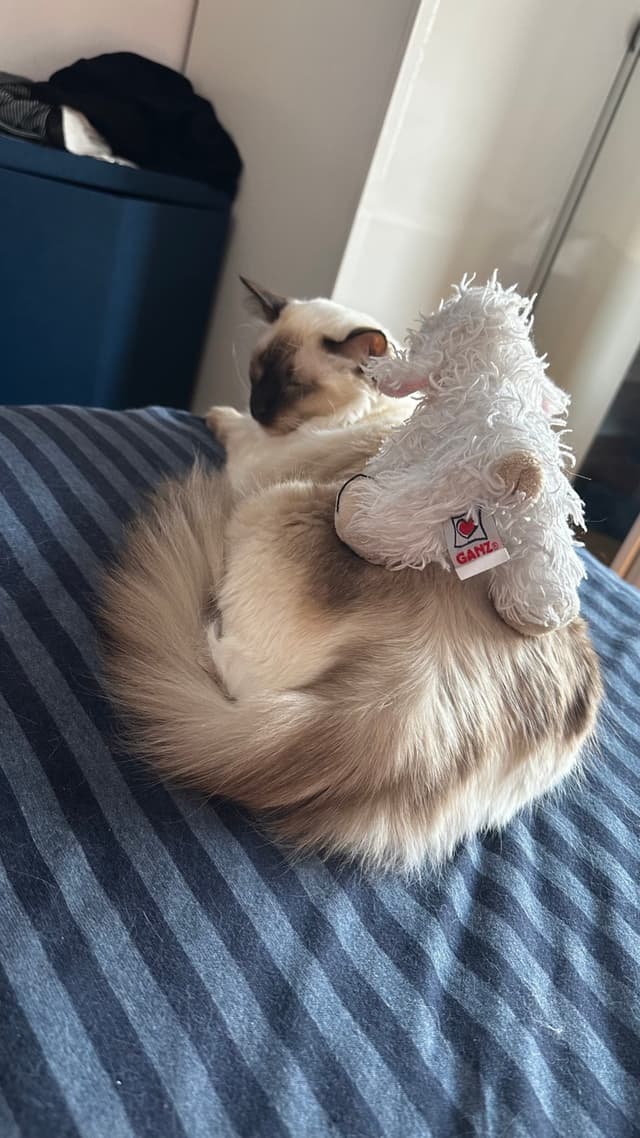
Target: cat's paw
(221, 420)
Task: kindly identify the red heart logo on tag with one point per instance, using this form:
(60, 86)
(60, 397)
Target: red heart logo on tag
(466, 527)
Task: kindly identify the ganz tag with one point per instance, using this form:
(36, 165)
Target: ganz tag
(474, 543)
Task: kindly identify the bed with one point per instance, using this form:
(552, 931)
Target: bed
(164, 972)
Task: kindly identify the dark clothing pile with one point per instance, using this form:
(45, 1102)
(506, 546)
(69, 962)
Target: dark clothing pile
(147, 113)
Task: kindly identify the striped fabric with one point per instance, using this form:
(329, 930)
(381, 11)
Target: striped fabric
(165, 973)
(24, 115)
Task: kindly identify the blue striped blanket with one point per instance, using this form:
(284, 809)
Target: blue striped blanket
(165, 973)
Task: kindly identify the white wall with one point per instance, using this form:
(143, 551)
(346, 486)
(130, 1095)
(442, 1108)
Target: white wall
(588, 314)
(303, 87)
(39, 36)
(491, 113)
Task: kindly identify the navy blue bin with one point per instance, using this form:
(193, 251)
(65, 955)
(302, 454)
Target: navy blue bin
(107, 278)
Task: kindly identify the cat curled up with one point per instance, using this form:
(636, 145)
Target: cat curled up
(384, 716)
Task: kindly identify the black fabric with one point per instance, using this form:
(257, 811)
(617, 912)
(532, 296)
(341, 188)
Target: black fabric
(24, 115)
(150, 115)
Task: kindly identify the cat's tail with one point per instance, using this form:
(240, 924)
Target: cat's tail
(157, 602)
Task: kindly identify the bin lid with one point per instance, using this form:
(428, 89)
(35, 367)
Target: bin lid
(46, 162)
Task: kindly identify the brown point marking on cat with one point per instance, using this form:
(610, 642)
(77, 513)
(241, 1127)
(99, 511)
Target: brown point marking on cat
(274, 385)
(276, 357)
(338, 575)
(586, 692)
(337, 580)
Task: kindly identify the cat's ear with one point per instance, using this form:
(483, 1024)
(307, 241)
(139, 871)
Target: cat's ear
(359, 344)
(267, 305)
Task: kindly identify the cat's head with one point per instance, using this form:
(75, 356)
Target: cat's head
(308, 361)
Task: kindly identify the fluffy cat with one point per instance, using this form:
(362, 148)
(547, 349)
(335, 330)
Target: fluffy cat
(384, 716)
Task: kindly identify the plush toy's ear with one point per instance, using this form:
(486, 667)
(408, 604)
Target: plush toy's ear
(359, 345)
(267, 305)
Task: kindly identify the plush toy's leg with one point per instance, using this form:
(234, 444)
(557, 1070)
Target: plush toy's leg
(518, 621)
(521, 473)
(510, 588)
(351, 498)
(532, 615)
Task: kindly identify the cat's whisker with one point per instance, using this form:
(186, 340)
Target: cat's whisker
(241, 378)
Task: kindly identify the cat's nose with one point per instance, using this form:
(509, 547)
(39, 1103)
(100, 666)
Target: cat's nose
(263, 405)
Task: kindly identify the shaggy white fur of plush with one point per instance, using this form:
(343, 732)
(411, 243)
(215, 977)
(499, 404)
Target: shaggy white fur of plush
(483, 397)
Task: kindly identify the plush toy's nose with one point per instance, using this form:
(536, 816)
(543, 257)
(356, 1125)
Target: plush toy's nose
(522, 473)
(397, 389)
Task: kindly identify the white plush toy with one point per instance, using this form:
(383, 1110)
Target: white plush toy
(476, 478)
